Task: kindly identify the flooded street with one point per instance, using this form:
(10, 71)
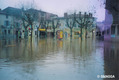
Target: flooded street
(50, 59)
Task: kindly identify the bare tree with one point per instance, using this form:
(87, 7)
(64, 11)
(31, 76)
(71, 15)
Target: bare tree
(54, 26)
(29, 17)
(70, 21)
(25, 24)
(17, 25)
(84, 22)
(27, 21)
(45, 24)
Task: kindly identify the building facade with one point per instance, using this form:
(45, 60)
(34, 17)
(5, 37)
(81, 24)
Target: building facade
(88, 30)
(36, 15)
(6, 26)
(112, 20)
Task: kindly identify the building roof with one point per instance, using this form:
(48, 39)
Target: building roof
(60, 18)
(13, 11)
(18, 12)
(2, 13)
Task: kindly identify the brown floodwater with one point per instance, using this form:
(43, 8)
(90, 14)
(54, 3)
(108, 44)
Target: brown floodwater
(53, 59)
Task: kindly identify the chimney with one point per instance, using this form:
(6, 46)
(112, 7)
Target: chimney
(65, 15)
(91, 15)
(79, 14)
(85, 14)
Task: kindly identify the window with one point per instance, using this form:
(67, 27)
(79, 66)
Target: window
(118, 30)
(8, 31)
(103, 32)
(35, 32)
(112, 29)
(17, 24)
(0, 31)
(76, 33)
(7, 16)
(6, 23)
(108, 31)
(5, 32)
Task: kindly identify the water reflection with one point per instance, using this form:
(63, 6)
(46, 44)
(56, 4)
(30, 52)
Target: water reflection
(50, 59)
(111, 59)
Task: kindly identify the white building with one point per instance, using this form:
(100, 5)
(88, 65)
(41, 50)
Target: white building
(6, 25)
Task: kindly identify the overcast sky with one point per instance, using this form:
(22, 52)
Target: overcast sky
(60, 6)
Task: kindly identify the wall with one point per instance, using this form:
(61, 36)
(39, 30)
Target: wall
(3, 27)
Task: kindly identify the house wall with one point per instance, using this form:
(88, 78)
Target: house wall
(3, 19)
(6, 31)
(75, 31)
(109, 36)
(112, 21)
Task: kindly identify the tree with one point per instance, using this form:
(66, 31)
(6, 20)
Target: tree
(46, 24)
(80, 22)
(25, 24)
(17, 25)
(54, 26)
(84, 21)
(29, 17)
(70, 21)
(27, 21)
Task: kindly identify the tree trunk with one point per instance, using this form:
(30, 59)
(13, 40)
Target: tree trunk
(81, 33)
(54, 31)
(86, 32)
(25, 33)
(46, 32)
(31, 32)
(71, 32)
(37, 32)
